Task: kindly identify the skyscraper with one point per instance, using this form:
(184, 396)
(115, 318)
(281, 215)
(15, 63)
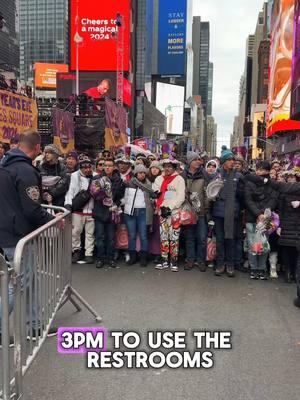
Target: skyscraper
(43, 33)
(9, 47)
(210, 88)
(201, 39)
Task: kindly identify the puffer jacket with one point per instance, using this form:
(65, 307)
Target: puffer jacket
(289, 221)
(59, 191)
(259, 197)
(196, 183)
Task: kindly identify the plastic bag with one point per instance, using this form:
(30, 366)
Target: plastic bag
(186, 214)
(260, 244)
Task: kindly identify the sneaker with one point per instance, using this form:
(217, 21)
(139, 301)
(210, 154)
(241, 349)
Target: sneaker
(230, 271)
(220, 270)
(174, 268)
(297, 302)
(263, 276)
(201, 266)
(89, 259)
(112, 264)
(273, 274)
(75, 256)
(162, 265)
(254, 274)
(189, 266)
(100, 264)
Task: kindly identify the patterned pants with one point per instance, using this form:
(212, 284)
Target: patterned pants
(169, 239)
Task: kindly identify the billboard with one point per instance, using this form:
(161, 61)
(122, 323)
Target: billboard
(17, 113)
(97, 85)
(45, 74)
(170, 102)
(95, 27)
(281, 53)
(295, 113)
(172, 37)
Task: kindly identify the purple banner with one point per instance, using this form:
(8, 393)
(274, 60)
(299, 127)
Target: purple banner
(63, 125)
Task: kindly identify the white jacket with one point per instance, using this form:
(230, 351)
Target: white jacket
(175, 194)
(79, 182)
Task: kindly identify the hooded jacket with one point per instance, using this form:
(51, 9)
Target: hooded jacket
(59, 191)
(20, 198)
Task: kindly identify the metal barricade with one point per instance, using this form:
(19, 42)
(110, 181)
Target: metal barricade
(40, 280)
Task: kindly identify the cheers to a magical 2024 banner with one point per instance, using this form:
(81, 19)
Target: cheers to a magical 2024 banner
(17, 113)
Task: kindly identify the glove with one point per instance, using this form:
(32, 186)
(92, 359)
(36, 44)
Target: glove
(165, 212)
(155, 195)
(68, 207)
(295, 204)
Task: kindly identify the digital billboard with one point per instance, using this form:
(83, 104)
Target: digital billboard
(94, 26)
(295, 113)
(45, 74)
(172, 37)
(281, 54)
(170, 102)
(96, 85)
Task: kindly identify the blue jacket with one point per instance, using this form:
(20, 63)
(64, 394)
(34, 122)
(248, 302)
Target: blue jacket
(219, 205)
(20, 198)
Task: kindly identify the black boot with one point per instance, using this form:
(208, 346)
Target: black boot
(143, 258)
(132, 257)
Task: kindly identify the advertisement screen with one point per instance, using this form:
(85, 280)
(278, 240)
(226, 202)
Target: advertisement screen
(45, 74)
(172, 37)
(94, 27)
(295, 114)
(96, 85)
(170, 102)
(281, 54)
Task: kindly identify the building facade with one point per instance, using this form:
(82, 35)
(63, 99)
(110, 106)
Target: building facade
(210, 88)
(43, 34)
(9, 43)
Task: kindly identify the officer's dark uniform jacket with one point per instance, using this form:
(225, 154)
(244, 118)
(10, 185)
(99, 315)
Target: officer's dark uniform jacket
(20, 198)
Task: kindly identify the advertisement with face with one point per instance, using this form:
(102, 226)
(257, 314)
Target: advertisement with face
(95, 26)
(170, 102)
(281, 54)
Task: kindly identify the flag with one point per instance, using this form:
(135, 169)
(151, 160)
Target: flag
(63, 129)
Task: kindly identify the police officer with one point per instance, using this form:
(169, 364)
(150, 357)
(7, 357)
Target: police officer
(21, 211)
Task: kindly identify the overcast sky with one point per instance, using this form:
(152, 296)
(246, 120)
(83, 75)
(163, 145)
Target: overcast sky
(231, 21)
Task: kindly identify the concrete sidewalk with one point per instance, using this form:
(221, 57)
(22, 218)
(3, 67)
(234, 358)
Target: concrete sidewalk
(264, 363)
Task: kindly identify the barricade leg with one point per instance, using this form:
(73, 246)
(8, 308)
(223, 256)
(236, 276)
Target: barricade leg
(4, 283)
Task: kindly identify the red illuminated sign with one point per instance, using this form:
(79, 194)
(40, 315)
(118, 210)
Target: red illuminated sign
(96, 32)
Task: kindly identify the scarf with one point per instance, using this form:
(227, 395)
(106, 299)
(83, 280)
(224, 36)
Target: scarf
(144, 186)
(164, 187)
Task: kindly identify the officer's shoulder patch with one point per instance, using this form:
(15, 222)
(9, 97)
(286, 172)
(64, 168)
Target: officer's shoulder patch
(33, 192)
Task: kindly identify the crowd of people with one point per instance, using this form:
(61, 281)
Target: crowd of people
(149, 209)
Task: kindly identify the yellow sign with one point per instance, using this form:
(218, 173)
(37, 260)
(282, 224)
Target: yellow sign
(17, 113)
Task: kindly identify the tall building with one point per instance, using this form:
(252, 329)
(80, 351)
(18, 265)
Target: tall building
(43, 34)
(211, 136)
(263, 72)
(261, 33)
(210, 88)
(9, 46)
(201, 40)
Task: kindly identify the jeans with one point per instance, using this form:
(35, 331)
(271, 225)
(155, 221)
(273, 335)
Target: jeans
(196, 241)
(9, 253)
(225, 247)
(136, 223)
(257, 262)
(105, 240)
(238, 253)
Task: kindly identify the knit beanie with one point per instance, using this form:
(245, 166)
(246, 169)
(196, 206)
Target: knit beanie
(156, 164)
(139, 169)
(226, 154)
(191, 156)
(51, 148)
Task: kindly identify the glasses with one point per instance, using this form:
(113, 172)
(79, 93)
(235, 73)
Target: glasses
(100, 164)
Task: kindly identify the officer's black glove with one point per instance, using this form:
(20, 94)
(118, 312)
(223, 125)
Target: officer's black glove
(165, 212)
(68, 207)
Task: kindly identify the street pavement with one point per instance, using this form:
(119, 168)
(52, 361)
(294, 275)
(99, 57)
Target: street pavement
(264, 363)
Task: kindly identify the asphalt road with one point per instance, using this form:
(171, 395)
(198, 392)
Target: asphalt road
(264, 363)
